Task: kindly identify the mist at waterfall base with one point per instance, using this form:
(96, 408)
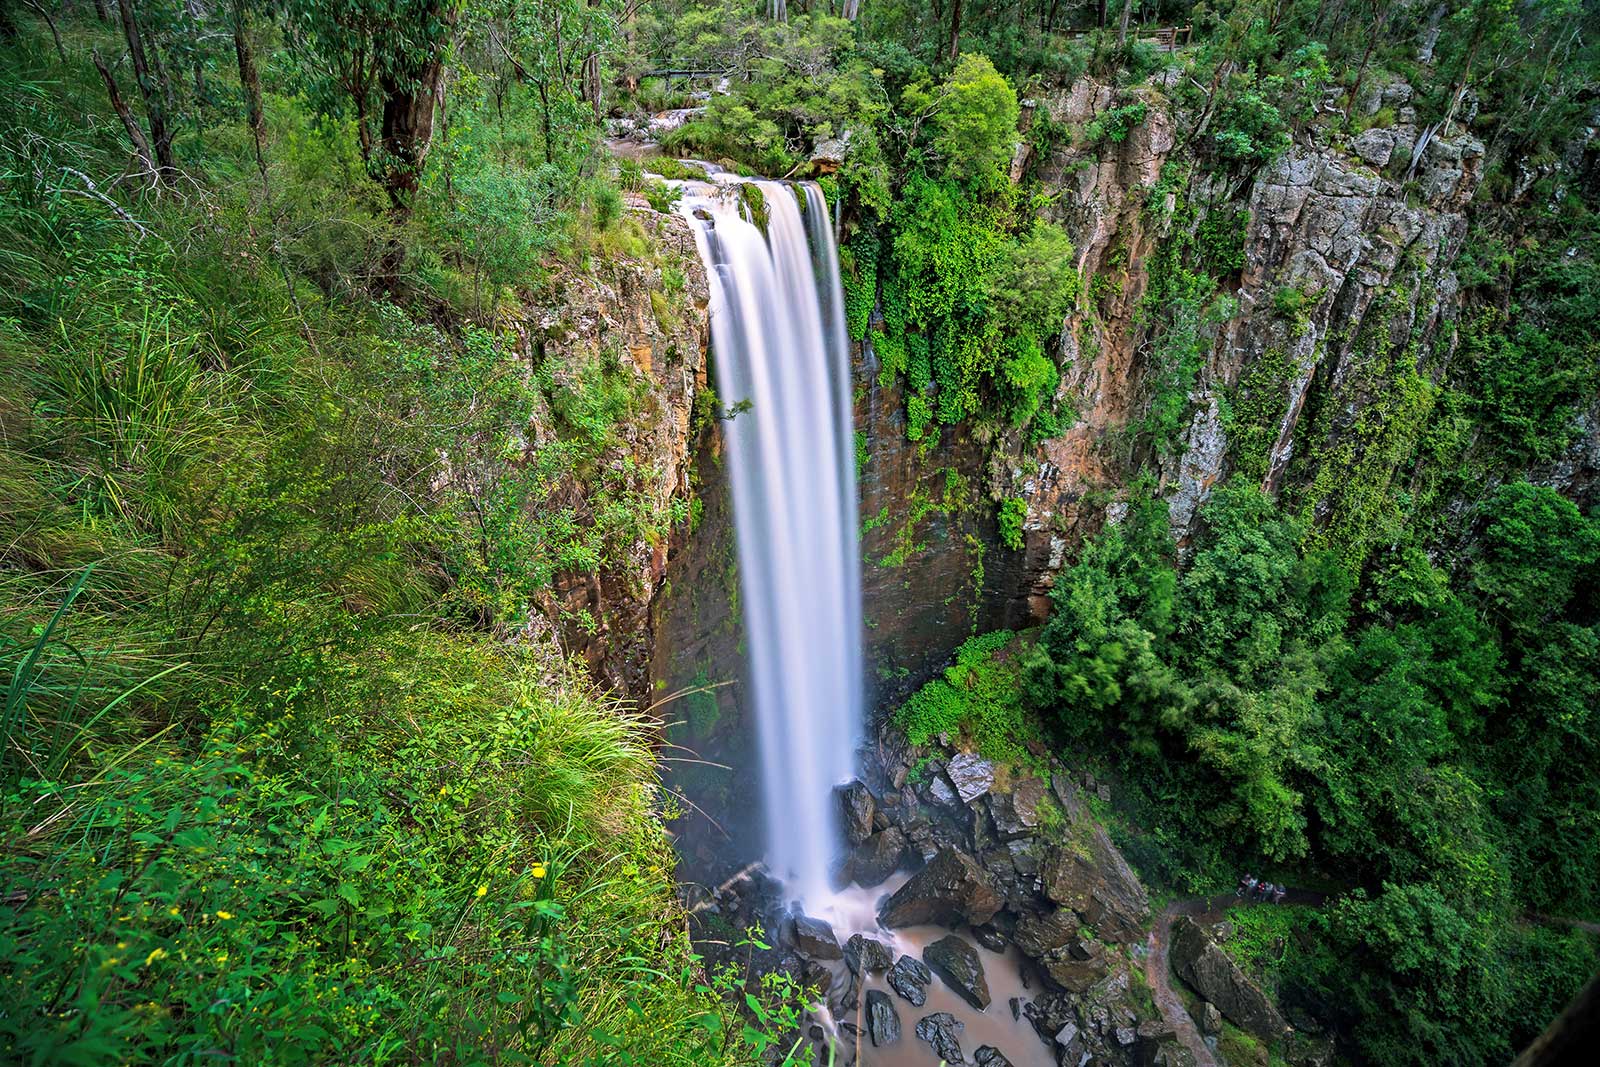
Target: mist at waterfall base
(783, 375)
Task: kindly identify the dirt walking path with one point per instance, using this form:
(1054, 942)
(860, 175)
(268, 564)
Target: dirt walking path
(1158, 976)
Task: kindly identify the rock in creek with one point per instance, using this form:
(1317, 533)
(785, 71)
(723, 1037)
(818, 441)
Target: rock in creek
(1200, 962)
(864, 953)
(814, 939)
(943, 1031)
(972, 775)
(857, 808)
(989, 1056)
(876, 858)
(950, 890)
(957, 962)
(910, 977)
(883, 1022)
(989, 936)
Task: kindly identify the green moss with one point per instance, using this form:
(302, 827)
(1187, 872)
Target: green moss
(1255, 413)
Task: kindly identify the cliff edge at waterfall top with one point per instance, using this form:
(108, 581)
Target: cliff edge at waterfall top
(737, 533)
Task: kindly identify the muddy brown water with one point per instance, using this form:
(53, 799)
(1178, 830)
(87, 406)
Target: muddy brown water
(854, 911)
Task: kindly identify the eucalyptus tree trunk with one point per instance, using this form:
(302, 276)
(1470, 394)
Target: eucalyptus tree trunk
(250, 82)
(152, 92)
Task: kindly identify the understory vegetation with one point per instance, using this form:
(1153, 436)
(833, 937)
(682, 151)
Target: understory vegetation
(284, 778)
(293, 769)
(1422, 739)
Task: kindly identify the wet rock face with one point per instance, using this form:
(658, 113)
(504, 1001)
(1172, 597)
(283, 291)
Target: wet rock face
(862, 953)
(814, 939)
(910, 977)
(613, 307)
(872, 861)
(883, 1022)
(952, 889)
(942, 1031)
(1208, 970)
(958, 964)
(857, 807)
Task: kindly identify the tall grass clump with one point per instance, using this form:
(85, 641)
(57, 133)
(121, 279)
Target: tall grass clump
(281, 778)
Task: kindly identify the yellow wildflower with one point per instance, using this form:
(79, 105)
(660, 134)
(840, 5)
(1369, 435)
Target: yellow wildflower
(482, 890)
(155, 954)
(538, 870)
(224, 915)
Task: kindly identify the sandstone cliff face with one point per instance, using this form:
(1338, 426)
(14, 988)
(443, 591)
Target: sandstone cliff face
(625, 309)
(1347, 292)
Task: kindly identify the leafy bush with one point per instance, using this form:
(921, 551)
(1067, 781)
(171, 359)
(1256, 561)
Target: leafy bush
(1013, 512)
(976, 701)
(1114, 125)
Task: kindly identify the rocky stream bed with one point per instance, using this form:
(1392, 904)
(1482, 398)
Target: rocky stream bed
(985, 917)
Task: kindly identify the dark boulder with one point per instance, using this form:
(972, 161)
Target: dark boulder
(957, 962)
(862, 953)
(952, 889)
(1201, 963)
(1040, 935)
(883, 1022)
(972, 775)
(1100, 886)
(943, 1031)
(814, 939)
(1077, 966)
(814, 975)
(989, 936)
(989, 1056)
(910, 977)
(856, 808)
(876, 858)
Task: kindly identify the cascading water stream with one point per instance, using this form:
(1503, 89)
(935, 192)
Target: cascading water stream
(783, 370)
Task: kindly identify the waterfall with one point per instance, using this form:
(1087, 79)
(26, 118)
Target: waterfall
(783, 374)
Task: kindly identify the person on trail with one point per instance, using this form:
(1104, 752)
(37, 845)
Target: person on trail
(1247, 885)
(1278, 893)
(1263, 891)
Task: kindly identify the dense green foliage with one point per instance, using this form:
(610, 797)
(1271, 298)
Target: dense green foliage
(1422, 741)
(279, 782)
(975, 701)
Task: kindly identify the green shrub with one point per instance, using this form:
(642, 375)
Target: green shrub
(1013, 513)
(1114, 124)
(976, 700)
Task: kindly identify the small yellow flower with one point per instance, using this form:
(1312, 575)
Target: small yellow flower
(482, 890)
(173, 911)
(155, 954)
(538, 870)
(224, 915)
